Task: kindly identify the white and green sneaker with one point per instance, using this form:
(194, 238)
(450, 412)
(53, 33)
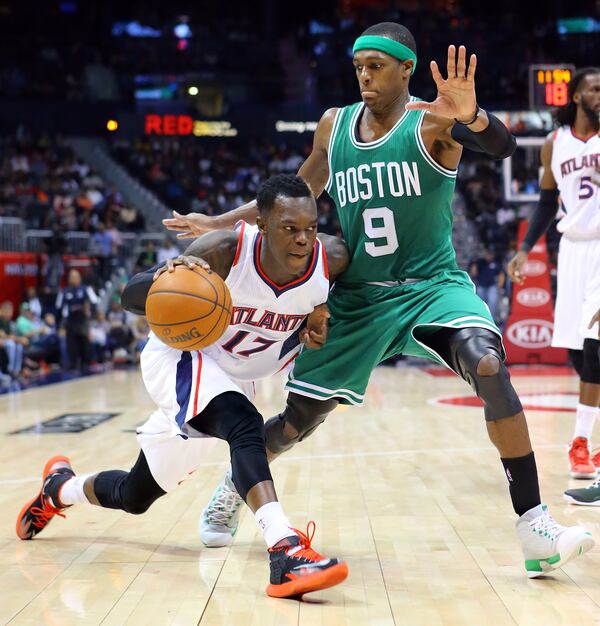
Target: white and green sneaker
(585, 496)
(546, 544)
(219, 520)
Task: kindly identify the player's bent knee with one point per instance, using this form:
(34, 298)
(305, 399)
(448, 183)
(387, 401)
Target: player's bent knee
(136, 506)
(489, 365)
(301, 417)
(590, 368)
(477, 358)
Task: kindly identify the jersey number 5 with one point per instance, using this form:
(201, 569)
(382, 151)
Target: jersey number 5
(586, 188)
(384, 230)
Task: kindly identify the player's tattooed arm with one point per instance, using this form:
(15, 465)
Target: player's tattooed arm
(216, 249)
(213, 251)
(337, 253)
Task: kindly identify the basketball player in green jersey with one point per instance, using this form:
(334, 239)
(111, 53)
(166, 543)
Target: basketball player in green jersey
(389, 163)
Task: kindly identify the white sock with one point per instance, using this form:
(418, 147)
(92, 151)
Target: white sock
(71, 492)
(273, 523)
(584, 421)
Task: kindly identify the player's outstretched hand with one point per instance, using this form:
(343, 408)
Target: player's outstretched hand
(189, 261)
(595, 320)
(456, 94)
(317, 325)
(515, 267)
(190, 225)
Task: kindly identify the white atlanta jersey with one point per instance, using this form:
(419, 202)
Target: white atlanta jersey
(574, 163)
(261, 340)
(263, 334)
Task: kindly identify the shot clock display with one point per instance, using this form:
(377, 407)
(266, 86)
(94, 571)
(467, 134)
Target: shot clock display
(548, 85)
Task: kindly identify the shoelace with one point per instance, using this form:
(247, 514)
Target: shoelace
(545, 524)
(305, 551)
(45, 514)
(594, 485)
(223, 507)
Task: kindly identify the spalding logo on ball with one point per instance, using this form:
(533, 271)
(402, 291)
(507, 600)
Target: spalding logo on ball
(188, 309)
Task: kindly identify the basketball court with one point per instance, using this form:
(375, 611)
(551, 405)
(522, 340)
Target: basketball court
(407, 489)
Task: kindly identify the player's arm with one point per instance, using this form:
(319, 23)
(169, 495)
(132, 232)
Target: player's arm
(337, 253)
(455, 119)
(595, 320)
(315, 171)
(314, 335)
(214, 251)
(542, 217)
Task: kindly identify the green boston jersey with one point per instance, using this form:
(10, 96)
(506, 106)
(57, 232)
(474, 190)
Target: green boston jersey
(393, 201)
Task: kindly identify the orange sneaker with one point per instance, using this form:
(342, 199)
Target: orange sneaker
(296, 568)
(596, 458)
(36, 514)
(579, 459)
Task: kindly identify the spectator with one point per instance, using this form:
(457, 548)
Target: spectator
(32, 299)
(12, 344)
(140, 335)
(147, 257)
(489, 277)
(103, 244)
(167, 250)
(74, 307)
(120, 336)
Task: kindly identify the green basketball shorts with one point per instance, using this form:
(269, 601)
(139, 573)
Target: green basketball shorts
(370, 323)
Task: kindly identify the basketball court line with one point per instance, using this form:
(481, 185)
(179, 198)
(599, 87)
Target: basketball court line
(336, 455)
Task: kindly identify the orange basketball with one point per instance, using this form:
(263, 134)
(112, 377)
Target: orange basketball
(188, 309)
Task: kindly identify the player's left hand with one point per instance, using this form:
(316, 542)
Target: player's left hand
(314, 335)
(456, 94)
(188, 261)
(595, 320)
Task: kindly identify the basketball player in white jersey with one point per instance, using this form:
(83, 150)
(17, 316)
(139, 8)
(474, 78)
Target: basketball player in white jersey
(278, 275)
(570, 160)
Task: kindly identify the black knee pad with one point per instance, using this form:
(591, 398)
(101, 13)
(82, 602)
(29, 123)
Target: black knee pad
(590, 370)
(467, 347)
(301, 417)
(231, 416)
(576, 359)
(132, 492)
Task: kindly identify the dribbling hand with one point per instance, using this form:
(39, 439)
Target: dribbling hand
(188, 261)
(315, 333)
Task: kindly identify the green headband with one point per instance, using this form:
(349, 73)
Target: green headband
(389, 46)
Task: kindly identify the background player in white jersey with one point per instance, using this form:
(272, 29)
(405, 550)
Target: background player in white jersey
(278, 275)
(570, 160)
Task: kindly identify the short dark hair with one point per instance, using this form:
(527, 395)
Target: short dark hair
(393, 31)
(565, 115)
(286, 185)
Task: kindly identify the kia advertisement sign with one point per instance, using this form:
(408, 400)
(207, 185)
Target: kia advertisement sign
(534, 268)
(528, 332)
(533, 297)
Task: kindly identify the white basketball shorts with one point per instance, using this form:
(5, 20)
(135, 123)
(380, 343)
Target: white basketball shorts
(181, 384)
(577, 294)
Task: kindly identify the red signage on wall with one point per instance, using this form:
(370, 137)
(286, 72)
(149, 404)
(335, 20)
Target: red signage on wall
(528, 332)
(20, 270)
